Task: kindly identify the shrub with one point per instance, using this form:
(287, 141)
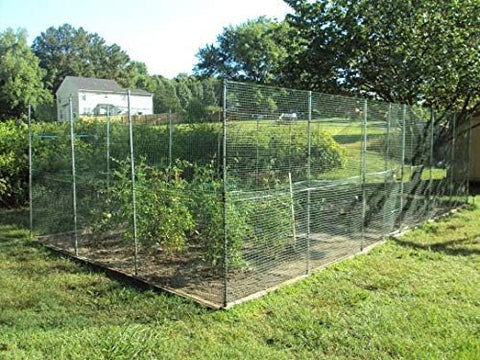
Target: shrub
(271, 218)
(163, 216)
(274, 151)
(172, 212)
(208, 209)
(13, 164)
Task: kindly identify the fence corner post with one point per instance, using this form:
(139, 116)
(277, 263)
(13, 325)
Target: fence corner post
(452, 162)
(132, 175)
(363, 171)
(30, 170)
(469, 158)
(170, 138)
(224, 194)
(74, 175)
(309, 176)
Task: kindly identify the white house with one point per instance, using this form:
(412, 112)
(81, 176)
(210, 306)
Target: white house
(92, 96)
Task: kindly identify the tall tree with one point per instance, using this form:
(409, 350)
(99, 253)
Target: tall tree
(67, 51)
(197, 99)
(165, 96)
(409, 51)
(183, 89)
(20, 75)
(139, 78)
(252, 51)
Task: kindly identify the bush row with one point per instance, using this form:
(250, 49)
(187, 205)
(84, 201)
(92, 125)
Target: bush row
(13, 164)
(180, 202)
(269, 153)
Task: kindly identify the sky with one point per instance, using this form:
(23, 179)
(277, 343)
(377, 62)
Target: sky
(164, 34)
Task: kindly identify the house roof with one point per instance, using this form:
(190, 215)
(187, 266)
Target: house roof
(83, 83)
(101, 85)
(139, 92)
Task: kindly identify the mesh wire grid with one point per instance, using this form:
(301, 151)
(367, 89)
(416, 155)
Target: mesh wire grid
(279, 183)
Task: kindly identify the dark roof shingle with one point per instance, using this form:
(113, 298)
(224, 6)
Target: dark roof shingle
(83, 83)
(94, 84)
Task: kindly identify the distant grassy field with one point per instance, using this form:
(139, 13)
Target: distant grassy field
(413, 297)
(349, 135)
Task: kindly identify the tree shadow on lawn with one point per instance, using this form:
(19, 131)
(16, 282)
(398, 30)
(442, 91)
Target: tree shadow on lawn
(465, 246)
(354, 138)
(15, 217)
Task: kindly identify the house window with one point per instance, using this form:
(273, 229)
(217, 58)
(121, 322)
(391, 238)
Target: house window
(84, 97)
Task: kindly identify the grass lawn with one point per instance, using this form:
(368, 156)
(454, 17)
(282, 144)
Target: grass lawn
(415, 297)
(349, 135)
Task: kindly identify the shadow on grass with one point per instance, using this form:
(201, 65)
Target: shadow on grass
(474, 188)
(353, 138)
(15, 217)
(457, 247)
(13, 239)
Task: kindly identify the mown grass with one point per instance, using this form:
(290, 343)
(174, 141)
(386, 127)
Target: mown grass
(349, 135)
(413, 297)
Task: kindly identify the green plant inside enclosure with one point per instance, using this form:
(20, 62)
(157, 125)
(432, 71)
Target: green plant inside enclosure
(175, 213)
(179, 193)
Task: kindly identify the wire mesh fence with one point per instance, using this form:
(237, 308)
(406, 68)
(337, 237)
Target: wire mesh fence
(283, 183)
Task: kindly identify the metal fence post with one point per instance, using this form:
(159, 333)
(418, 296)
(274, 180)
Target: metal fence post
(469, 158)
(387, 164)
(402, 170)
(30, 175)
(257, 174)
(74, 176)
(364, 169)
(132, 173)
(452, 163)
(170, 138)
(290, 147)
(432, 164)
(108, 147)
(309, 175)
(224, 196)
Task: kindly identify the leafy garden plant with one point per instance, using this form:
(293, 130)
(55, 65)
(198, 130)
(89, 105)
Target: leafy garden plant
(162, 212)
(180, 204)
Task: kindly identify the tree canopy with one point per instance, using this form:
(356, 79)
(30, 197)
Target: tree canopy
(196, 99)
(20, 75)
(404, 51)
(409, 51)
(252, 51)
(67, 51)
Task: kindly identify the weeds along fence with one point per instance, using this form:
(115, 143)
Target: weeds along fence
(284, 183)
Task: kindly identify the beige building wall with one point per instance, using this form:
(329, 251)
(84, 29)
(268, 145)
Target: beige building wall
(475, 151)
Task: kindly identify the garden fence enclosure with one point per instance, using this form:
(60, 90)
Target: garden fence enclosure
(222, 207)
